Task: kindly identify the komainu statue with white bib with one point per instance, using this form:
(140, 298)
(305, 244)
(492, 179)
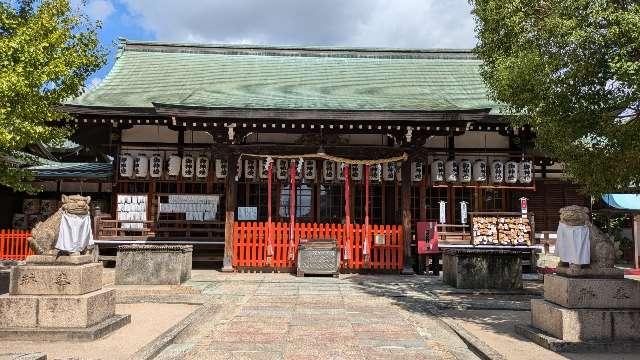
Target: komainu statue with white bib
(584, 250)
(68, 230)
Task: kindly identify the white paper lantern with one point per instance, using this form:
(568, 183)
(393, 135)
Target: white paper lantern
(175, 164)
(340, 171)
(299, 164)
(188, 166)
(526, 172)
(328, 170)
(126, 165)
(465, 171)
(497, 171)
(389, 171)
(437, 171)
(375, 172)
(480, 171)
(417, 170)
(511, 172)
(310, 169)
(238, 168)
(282, 169)
(250, 170)
(451, 171)
(202, 166)
(155, 165)
(141, 166)
(222, 168)
(262, 169)
(356, 172)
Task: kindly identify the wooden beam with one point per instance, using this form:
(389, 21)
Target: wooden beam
(230, 210)
(407, 268)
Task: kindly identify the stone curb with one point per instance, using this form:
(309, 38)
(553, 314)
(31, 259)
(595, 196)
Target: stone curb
(476, 345)
(161, 342)
(559, 346)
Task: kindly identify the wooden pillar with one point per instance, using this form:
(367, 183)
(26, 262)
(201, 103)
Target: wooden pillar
(407, 269)
(230, 210)
(636, 239)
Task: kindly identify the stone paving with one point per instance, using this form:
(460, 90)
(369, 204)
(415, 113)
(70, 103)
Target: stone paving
(280, 316)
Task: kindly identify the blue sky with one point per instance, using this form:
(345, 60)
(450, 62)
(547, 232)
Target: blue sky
(376, 23)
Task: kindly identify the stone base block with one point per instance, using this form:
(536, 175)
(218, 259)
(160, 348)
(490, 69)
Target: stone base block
(56, 279)
(579, 293)
(90, 333)
(579, 325)
(59, 260)
(612, 273)
(554, 344)
(51, 311)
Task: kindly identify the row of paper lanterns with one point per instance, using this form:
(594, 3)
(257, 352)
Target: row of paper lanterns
(465, 171)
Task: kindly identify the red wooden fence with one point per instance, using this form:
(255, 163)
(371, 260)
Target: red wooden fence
(14, 245)
(250, 244)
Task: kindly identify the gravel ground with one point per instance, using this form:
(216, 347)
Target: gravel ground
(147, 322)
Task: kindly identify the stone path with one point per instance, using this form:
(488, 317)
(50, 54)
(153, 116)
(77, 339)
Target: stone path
(279, 316)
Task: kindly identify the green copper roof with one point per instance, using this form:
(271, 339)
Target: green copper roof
(57, 170)
(292, 78)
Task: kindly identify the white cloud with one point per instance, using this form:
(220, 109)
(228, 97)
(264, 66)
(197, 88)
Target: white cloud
(386, 23)
(95, 9)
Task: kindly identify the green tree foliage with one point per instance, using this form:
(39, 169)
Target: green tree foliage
(47, 52)
(571, 70)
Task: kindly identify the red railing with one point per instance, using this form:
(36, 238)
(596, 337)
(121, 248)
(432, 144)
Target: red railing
(250, 244)
(14, 245)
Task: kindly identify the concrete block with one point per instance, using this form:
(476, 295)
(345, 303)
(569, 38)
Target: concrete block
(577, 325)
(56, 279)
(578, 293)
(18, 311)
(76, 311)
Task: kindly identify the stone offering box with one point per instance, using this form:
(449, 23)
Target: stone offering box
(318, 257)
(153, 264)
(478, 268)
(58, 298)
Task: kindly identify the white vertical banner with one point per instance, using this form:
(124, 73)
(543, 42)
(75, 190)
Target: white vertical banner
(443, 212)
(463, 212)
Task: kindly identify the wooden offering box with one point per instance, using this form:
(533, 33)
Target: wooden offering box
(504, 229)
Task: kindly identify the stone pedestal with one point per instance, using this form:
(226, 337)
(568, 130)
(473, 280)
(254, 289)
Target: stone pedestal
(482, 268)
(58, 299)
(580, 314)
(153, 264)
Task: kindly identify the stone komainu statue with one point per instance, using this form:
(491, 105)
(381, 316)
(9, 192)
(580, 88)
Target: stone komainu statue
(602, 250)
(45, 234)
